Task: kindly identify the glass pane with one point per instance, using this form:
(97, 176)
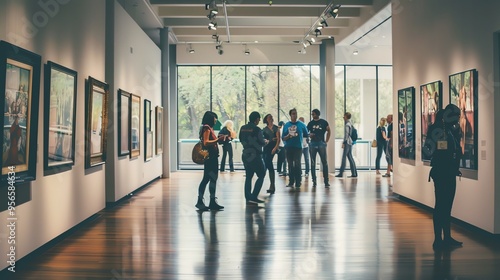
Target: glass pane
(384, 91)
(315, 90)
(228, 94)
(262, 91)
(295, 91)
(193, 87)
(339, 102)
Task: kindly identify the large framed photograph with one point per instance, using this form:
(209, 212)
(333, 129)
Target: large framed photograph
(406, 123)
(96, 121)
(124, 107)
(159, 129)
(148, 134)
(135, 125)
(60, 118)
(431, 97)
(463, 93)
(20, 81)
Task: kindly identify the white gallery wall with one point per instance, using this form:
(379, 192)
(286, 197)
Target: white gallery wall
(69, 33)
(137, 69)
(73, 34)
(432, 40)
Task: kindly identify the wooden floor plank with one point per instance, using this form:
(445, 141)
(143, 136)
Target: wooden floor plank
(357, 229)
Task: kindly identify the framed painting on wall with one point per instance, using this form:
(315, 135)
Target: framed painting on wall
(20, 81)
(123, 122)
(96, 121)
(148, 134)
(159, 129)
(463, 93)
(60, 118)
(135, 125)
(431, 97)
(406, 123)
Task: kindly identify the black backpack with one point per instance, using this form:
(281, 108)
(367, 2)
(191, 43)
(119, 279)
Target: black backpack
(354, 135)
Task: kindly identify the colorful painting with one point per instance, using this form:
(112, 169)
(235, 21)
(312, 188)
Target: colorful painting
(406, 123)
(431, 100)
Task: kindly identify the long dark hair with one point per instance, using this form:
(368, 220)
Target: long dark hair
(208, 118)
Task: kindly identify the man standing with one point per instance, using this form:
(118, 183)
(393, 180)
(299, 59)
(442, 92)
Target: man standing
(305, 149)
(388, 151)
(293, 134)
(281, 153)
(347, 146)
(252, 139)
(317, 130)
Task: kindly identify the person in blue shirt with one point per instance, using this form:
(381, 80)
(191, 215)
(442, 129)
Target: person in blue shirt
(294, 133)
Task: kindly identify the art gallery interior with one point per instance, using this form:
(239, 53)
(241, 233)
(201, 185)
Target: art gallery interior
(163, 53)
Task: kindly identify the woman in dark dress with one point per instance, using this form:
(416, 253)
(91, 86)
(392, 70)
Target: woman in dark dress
(381, 137)
(211, 165)
(227, 147)
(272, 136)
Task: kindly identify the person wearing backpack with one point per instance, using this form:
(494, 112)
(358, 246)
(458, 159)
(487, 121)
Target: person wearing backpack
(347, 146)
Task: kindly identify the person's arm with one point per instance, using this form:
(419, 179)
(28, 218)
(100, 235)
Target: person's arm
(260, 138)
(346, 134)
(206, 138)
(327, 133)
(285, 133)
(278, 141)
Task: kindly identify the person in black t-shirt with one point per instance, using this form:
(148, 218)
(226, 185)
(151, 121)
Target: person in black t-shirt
(318, 128)
(227, 147)
(252, 139)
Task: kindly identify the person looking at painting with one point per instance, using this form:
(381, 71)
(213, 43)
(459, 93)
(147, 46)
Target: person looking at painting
(227, 147)
(381, 137)
(443, 144)
(318, 128)
(388, 151)
(252, 139)
(272, 135)
(210, 166)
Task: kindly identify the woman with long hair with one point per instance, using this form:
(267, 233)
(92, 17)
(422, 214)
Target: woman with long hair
(381, 137)
(273, 137)
(210, 166)
(227, 147)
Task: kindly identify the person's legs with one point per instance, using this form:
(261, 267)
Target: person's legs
(342, 164)
(248, 179)
(296, 170)
(230, 154)
(377, 159)
(261, 173)
(289, 159)
(352, 163)
(448, 197)
(223, 160)
(313, 150)
(268, 163)
(437, 217)
(305, 152)
(324, 163)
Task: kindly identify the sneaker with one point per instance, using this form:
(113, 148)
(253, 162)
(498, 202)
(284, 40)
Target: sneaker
(339, 176)
(214, 205)
(450, 242)
(314, 183)
(353, 176)
(386, 175)
(327, 185)
(297, 186)
(289, 186)
(255, 200)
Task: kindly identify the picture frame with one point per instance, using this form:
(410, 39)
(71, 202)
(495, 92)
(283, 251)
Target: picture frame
(406, 123)
(96, 122)
(20, 71)
(148, 134)
(159, 129)
(60, 85)
(124, 111)
(464, 94)
(431, 100)
(135, 127)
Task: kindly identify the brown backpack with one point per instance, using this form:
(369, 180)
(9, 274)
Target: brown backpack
(199, 154)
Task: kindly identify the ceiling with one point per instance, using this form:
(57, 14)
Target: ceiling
(258, 21)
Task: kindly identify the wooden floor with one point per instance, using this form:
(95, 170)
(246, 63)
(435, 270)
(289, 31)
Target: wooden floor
(356, 229)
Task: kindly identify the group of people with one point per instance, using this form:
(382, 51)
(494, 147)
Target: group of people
(291, 140)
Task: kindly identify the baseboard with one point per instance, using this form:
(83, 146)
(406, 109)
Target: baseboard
(131, 194)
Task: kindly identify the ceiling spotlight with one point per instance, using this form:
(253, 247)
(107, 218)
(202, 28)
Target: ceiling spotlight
(317, 31)
(313, 40)
(212, 6)
(309, 42)
(215, 37)
(355, 52)
(247, 51)
(191, 50)
(319, 27)
(335, 11)
(212, 26)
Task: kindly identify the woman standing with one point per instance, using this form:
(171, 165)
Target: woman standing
(210, 167)
(272, 137)
(381, 142)
(227, 147)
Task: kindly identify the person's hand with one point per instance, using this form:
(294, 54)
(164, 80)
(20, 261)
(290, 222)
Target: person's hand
(266, 141)
(273, 151)
(343, 146)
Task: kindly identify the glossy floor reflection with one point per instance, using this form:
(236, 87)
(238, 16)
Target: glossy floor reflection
(356, 229)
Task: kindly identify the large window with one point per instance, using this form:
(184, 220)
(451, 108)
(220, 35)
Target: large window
(262, 90)
(228, 90)
(295, 91)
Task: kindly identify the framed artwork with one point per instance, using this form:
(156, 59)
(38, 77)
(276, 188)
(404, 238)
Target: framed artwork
(148, 134)
(20, 82)
(123, 122)
(431, 97)
(159, 129)
(96, 121)
(135, 125)
(463, 93)
(60, 118)
(406, 123)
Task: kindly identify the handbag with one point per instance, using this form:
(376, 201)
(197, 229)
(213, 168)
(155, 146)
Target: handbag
(374, 143)
(199, 154)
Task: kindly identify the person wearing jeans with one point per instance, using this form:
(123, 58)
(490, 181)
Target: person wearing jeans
(294, 132)
(305, 150)
(318, 128)
(347, 146)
